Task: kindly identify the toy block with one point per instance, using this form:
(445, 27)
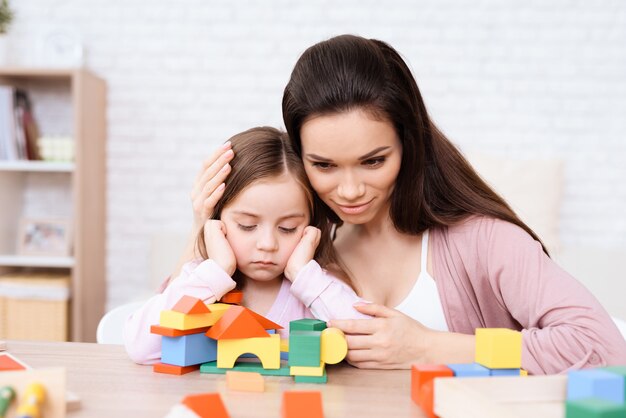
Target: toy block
(8, 362)
(284, 345)
(426, 398)
(191, 306)
(311, 379)
(618, 370)
(307, 371)
(504, 372)
(499, 348)
(424, 373)
(171, 332)
(301, 404)
(206, 405)
(594, 408)
(469, 370)
(267, 349)
(172, 369)
(32, 401)
(188, 350)
(334, 346)
(7, 394)
(181, 321)
(592, 383)
(234, 297)
(307, 324)
(305, 348)
(238, 322)
(245, 381)
(523, 372)
(211, 368)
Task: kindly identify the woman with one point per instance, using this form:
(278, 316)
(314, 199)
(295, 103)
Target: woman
(418, 232)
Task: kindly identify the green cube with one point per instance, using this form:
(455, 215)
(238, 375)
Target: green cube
(594, 408)
(307, 324)
(305, 348)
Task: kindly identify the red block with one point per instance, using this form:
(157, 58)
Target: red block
(302, 404)
(422, 385)
(206, 405)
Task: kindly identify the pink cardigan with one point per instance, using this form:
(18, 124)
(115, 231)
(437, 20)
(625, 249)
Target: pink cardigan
(491, 273)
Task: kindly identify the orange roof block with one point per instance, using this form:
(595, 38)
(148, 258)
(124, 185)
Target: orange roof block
(234, 296)
(191, 305)
(237, 322)
(173, 369)
(206, 405)
(302, 404)
(171, 332)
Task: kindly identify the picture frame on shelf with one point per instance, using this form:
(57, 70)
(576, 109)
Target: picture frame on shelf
(44, 237)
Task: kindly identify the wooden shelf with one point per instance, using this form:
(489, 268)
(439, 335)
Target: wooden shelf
(37, 166)
(36, 261)
(85, 205)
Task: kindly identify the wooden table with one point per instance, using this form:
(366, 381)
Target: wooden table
(110, 385)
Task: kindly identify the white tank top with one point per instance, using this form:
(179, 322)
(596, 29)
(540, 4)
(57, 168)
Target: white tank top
(423, 303)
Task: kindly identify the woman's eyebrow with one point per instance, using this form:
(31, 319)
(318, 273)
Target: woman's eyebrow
(364, 157)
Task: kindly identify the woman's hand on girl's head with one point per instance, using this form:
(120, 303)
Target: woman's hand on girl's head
(303, 253)
(391, 340)
(209, 184)
(217, 246)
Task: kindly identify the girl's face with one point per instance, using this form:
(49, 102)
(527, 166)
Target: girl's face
(264, 223)
(352, 161)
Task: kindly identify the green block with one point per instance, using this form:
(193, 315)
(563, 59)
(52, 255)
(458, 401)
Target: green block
(312, 379)
(305, 348)
(244, 366)
(619, 370)
(594, 408)
(307, 324)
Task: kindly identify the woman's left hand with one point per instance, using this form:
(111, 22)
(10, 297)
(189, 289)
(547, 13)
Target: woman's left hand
(391, 340)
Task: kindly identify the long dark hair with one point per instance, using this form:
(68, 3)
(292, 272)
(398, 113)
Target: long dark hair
(262, 153)
(436, 185)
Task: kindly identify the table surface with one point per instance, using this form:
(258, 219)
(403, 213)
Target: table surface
(111, 385)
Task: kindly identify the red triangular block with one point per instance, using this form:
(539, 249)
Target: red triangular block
(237, 322)
(191, 305)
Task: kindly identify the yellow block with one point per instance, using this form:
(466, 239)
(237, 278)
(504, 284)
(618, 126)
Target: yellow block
(334, 346)
(181, 321)
(284, 345)
(266, 349)
(499, 348)
(523, 372)
(307, 370)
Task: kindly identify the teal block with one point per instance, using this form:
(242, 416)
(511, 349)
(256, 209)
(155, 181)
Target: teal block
(594, 408)
(244, 366)
(312, 379)
(305, 348)
(307, 324)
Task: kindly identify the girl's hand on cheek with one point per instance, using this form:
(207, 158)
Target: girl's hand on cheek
(217, 246)
(391, 340)
(303, 253)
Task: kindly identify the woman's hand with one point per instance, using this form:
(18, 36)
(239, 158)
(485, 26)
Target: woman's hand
(217, 246)
(393, 340)
(209, 185)
(303, 253)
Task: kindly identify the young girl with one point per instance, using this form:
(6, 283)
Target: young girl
(264, 229)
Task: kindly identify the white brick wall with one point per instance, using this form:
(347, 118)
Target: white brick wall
(524, 79)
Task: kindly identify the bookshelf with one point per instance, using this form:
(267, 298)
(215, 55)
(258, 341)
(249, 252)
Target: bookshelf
(80, 97)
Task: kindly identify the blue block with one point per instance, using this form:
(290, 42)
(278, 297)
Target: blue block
(469, 370)
(595, 384)
(188, 350)
(504, 372)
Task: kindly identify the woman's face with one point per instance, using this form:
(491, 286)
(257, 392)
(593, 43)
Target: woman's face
(352, 160)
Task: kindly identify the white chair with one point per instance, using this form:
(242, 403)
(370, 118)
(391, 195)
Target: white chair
(621, 325)
(111, 327)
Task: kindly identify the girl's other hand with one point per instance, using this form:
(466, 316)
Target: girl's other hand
(217, 246)
(303, 253)
(209, 185)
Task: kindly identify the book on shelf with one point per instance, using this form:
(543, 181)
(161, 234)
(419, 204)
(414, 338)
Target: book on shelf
(18, 130)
